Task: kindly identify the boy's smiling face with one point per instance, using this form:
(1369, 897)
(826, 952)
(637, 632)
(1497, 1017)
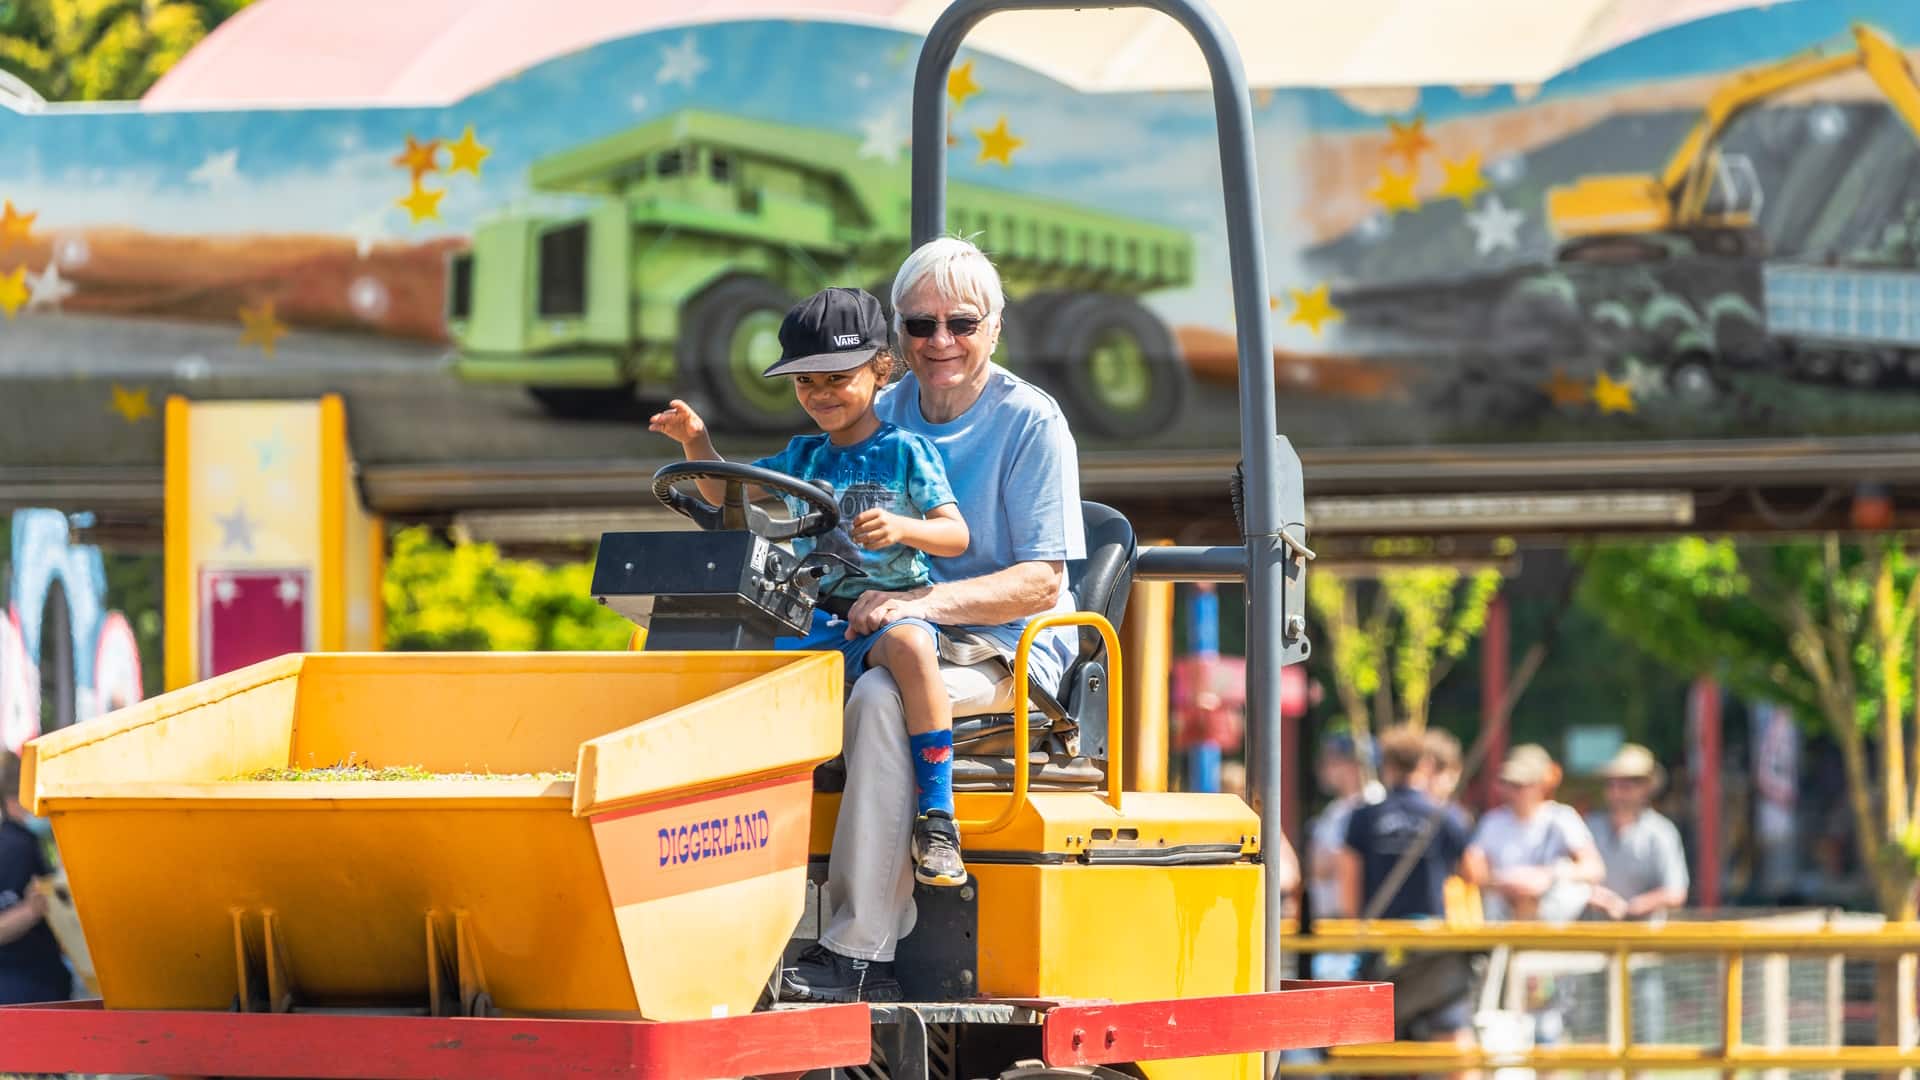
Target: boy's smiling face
(838, 401)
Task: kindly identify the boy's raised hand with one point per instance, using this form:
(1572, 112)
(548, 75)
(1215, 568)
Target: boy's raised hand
(877, 528)
(678, 422)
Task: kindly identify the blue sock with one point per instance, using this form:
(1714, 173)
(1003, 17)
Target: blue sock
(933, 770)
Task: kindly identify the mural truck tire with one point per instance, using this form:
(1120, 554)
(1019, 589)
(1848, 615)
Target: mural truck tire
(1112, 363)
(57, 686)
(581, 403)
(729, 334)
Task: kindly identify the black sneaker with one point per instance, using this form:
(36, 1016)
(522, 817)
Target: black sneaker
(936, 850)
(824, 976)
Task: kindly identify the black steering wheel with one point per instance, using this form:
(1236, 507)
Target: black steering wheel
(737, 513)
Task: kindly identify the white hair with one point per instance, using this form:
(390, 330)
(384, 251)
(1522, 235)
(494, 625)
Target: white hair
(958, 272)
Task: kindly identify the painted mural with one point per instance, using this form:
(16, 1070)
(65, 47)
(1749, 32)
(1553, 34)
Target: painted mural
(64, 656)
(1709, 233)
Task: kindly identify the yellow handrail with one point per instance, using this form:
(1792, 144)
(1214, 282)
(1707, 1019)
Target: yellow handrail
(1352, 935)
(1018, 799)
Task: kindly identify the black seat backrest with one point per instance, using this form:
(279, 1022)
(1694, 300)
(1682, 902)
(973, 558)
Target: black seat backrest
(1101, 581)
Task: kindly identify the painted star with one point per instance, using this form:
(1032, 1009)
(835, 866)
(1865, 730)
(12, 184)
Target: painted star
(960, 84)
(681, 63)
(881, 137)
(1610, 396)
(466, 153)
(1495, 227)
(419, 158)
(226, 590)
(1566, 391)
(369, 230)
(263, 327)
(14, 225)
(236, 529)
(1409, 140)
(997, 144)
(1644, 380)
(13, 292)
(270, 451)
(132, 405)
(1312, 308)
(288, 590)
(49, 288)
(217, 170)
(421, 203)
(1394, 191)
(1463, 179)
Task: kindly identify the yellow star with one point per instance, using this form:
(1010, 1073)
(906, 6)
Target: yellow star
(1409, 140)
(13, 291)
(263, 327)
(1463, 179)
(1311, 308)
(419, 157)
(421, 203)
(1566, 391)
(997, 144)
(1394, 191)
(1612, 396)
(960, 84)
(132, 405)
(466, 153)
(15, 225)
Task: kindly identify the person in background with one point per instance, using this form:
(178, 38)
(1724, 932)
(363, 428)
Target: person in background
(1431, 990)
(1443, 776)
(1646, 869)
(1532, 858)
(31, 967)
(1338, 769)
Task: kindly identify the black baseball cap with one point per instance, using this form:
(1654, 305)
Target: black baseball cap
(832, 330)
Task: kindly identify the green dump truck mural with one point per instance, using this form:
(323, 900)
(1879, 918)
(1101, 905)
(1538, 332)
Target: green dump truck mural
(697, 232)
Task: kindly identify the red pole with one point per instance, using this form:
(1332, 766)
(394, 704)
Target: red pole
(1493, 697)
(1704, 705)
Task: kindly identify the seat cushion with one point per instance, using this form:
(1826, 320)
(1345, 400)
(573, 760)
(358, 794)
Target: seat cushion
(1055, 772)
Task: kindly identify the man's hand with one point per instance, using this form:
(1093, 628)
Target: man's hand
(679, 422)
(879, 528)
(1609, 903)
(1526, 882)
(874, 609)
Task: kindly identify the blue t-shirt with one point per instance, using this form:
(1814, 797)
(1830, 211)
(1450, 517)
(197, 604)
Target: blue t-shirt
(1380, 833)
(890, 470)
(31, 969)
(1016, 473)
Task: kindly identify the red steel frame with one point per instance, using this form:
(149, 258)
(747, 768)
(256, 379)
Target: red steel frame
(85, 1038)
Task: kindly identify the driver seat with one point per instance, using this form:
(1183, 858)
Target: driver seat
(1067, 725)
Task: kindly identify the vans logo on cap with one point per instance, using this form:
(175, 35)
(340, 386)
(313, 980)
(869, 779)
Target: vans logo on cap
(845, 341)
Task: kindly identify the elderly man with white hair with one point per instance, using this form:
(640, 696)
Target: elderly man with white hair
(1015, 474)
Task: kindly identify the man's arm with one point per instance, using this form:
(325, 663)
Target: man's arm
(1347, 871)
(22, 917)
(1672, 890)
(1020, 590)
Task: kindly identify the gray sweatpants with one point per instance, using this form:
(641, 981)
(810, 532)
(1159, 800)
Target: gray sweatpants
(869, 893)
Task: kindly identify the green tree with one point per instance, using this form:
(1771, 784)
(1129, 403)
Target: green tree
(102, 50)
(1824, 627)
(467, 597)
(1418, 621)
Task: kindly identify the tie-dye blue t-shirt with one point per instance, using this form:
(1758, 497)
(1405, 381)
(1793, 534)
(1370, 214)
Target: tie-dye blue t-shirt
(892, 470)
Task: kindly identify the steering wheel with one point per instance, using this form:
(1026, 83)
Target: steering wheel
(737, 513)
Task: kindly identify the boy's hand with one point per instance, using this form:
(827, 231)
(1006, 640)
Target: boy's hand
(877, 528)
(679, 422)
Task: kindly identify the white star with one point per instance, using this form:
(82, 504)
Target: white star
(49, 288)
(288, 591)
(236, 529)
(226, 590)
(862, 81)
(1645, 380)
(882, 137)
(368, 230)
(190, 368)
(638, 103)
(220, 481)
(218, 170)
(1495, 227)
(681, 63)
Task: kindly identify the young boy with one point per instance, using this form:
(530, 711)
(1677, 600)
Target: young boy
(31, 968)
(896, 508)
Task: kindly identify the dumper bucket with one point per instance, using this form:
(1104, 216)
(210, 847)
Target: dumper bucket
(608, 834)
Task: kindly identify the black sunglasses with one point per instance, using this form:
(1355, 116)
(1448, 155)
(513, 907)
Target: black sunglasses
(957, 325)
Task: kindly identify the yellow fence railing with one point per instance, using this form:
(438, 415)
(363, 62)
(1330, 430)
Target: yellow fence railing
(1732, 942)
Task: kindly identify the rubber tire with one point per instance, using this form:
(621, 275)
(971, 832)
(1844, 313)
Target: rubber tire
(57, 682)
(582, 402)
(707, 326)
(1063, 365)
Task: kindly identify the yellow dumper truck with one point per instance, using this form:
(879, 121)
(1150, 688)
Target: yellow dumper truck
(505, 865)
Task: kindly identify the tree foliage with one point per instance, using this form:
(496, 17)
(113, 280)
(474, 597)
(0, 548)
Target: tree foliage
(1824, 627)
(467, 597)
(102, 50)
